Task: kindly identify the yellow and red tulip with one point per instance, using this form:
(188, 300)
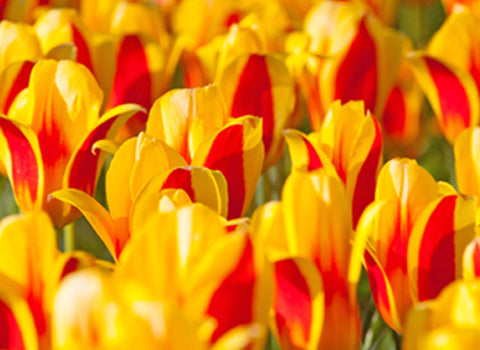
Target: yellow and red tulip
(95, 310)
(402, 117)
(452, 93)
(194, 122)
(457, 42)
(19, 42)
(404, 189)
(30, 270)
(20, 46)
(145, 59)
(437, 245)
(361, 57)
(350, 141)
(29, 250)
(408, 231)
(145, 167)
(451, 321)
(49, 134)
(190, 242)
(313, 221)
(60, 28)
(260, 85)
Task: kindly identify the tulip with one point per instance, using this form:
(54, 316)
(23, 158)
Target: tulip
(190, 242)
(351, 142)
(410, 229)
(60, 28)
(260, 85)
(457, 41)
(95, 310)
(20, 46)
(145, 58)
(30, 270)
(451, 321)
(145, 168)
(452, 93)
(143, 67)
(402, 117)
(211, 19)
(19, 43)
(313, 222)
(194, 122)
(360, 58)
(49, 135)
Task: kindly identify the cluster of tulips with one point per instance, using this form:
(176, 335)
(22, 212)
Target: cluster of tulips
(258, 162)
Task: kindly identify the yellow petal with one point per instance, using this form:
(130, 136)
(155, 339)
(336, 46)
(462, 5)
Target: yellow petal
(97, 216)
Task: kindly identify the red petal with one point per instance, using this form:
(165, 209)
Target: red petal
(25, 171)
(292, 303)
(452, 95)
(180, 178)
(394, 116)
(226, 155)
(132, 82)
(20, 83)
(366, 178)
(357, 76)
(254, 96)
(10, 335)
(83, 53)
(436, 262)
(232, 303)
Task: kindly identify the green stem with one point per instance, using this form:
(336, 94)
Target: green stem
(69, 237)
(397, 338)
(267, 187)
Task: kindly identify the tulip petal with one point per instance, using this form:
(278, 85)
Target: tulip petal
(437, 243)
(304, 155)
(14, 79)
(467, 161)
(268, 225)
(241, 337)
(261, 86)
(360, 180)
(298, 304)
(471, 260)
(84, 159)
(18, 42)
(96, 215)
(200, 184)
(16, 321)
(357, 74)
(229, 151)
(451, 92)
(132, 82)
(118, 176)
(458, 39)
(382, 292)
(23, 163)
(237, 285)
(152, 158)
(184, 118)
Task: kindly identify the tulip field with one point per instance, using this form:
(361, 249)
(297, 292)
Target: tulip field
(240, 174)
